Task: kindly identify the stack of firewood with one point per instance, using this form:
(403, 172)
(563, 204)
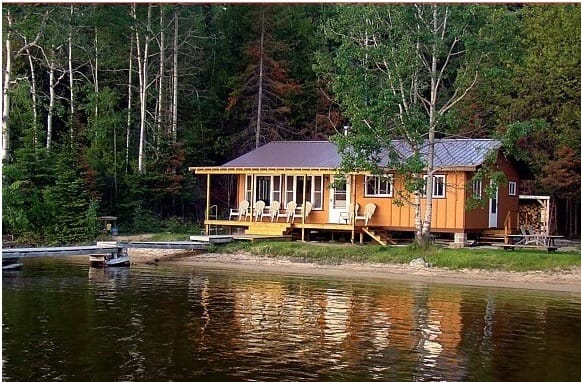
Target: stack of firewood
(531, 216)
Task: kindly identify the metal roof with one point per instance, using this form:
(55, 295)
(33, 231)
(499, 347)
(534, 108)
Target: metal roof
(321, 155)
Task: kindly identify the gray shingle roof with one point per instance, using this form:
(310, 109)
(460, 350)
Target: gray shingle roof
(322, 154)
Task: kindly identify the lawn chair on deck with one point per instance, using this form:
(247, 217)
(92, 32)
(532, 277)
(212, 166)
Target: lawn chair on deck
(289, 211)
(259, 210)
(272, 211)
(367, 212)
(306, 211)
(242, 210)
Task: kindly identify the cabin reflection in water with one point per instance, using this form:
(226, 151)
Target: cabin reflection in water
(417, 327)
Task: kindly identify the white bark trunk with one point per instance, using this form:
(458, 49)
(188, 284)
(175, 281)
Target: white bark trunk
(71, 78)
(260, 82)
(142, 64)
(52, 96)
(159, 109)
(129, 104)
(34, 96)
(5, 94)
(96, 75)
(174, 113)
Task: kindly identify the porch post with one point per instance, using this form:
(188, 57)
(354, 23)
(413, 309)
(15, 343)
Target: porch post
(252, 188)
(353, 197)
(304, 205)
(208, 204)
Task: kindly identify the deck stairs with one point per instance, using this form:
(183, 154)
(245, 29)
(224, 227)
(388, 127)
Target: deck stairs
(491, 236)
(268, 229)
(381, 237)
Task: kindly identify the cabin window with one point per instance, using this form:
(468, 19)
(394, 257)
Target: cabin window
(378, 185)
(477, 188)
(248, 188)
(290, 188)
(317, 199)
(313, 190)
(266, 188)
(438, 186)
(263, 189)
(512, 188)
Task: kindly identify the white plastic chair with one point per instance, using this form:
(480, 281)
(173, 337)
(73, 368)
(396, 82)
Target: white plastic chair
(259, 210)
(368, 212)
(289, 211)
(272, 211)
(242, 210)
(306, 210)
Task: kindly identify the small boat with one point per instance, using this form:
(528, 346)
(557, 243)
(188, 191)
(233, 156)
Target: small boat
(115, 259)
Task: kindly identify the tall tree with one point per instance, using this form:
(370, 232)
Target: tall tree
(260, 91)
(396, 72)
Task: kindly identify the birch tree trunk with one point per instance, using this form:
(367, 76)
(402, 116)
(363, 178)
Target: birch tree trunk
(142, 57)
(129, 103)
(71, 78)
(159, 109)
(260, 81)
(96, 74)
(34, 96)
(174, 112)
(5, 94)
(52, 96)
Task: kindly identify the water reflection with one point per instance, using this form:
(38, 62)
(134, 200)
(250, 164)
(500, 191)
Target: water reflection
(61, 320)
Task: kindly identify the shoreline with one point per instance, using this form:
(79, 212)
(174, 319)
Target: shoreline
(553, 281)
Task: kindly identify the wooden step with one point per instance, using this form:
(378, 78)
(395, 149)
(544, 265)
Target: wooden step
(381, 237)
(266, 228)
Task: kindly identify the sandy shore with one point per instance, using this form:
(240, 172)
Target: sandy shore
(564, 281)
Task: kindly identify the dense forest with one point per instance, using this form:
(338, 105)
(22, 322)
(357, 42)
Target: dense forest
(106, 106)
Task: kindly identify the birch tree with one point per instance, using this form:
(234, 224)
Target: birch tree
(396, 72)
(28, 38)
(142, 69)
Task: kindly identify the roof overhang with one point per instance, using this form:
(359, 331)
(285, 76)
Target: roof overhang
(261, 170)
(297, 171)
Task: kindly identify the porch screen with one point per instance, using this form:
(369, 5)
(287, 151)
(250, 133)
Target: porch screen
(313, 190)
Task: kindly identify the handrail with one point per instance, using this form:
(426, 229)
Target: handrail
(507, 226)
(215, 215)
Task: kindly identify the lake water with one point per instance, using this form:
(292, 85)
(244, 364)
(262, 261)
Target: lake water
(63, 321)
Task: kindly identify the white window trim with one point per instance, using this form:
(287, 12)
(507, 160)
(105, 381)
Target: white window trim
(434, 177)
(388, 178)
(291, 187)
(477, 192)
(512, 188)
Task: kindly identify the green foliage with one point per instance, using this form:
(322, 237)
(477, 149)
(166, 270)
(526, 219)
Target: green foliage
(490, 259)
(324, 70)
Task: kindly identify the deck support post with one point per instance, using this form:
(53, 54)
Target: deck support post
(460, 239)
(353, 197)
(208, 204)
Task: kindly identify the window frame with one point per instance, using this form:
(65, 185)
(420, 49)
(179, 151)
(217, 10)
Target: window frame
(512, 188)
(434, 182)
(291, 183)
(378, 180)
(477, 191)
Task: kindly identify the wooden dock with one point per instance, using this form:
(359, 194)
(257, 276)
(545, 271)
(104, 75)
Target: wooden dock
(110, 247)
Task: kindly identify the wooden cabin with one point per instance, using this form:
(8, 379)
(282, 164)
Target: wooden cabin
(304, 172)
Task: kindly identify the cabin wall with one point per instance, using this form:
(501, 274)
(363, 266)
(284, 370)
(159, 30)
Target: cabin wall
(447, 212)
(477, 217)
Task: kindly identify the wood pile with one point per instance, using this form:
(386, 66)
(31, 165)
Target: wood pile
(532, 215)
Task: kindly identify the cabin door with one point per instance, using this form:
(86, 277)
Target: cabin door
(493, 211)
(339, 201)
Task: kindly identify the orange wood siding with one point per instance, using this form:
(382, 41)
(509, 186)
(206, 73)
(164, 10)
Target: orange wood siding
(447, 212)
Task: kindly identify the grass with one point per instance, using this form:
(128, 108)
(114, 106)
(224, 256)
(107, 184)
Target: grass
(466, 258)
